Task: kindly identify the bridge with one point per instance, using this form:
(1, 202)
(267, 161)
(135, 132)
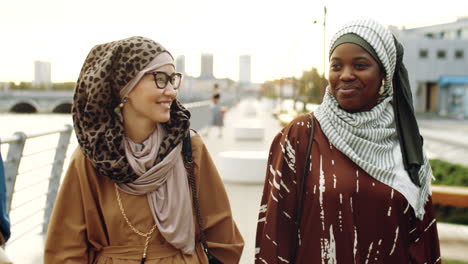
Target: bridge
(61, 101)
(36, 101)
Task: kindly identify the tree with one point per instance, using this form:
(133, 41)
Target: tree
(24, 86)
(66, 86)
(311, 85)
(268, 89)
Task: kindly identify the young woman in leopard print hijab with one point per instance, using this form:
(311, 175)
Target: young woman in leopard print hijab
(126, 197)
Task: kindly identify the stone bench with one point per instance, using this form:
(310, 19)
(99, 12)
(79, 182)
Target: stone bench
(243, 166)
(248, 130)
(249, 111)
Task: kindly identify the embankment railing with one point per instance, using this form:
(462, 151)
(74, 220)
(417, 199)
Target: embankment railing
(12, 163)
(450, 196)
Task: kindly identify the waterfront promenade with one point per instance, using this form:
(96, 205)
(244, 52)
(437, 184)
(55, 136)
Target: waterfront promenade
(245, 196)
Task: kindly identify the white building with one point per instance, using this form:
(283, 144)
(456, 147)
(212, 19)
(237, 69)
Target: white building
(198, 89)
(42, 74)
(206, 71)
(180, 64)
(454, 30)
(244, 69)
(430, 53)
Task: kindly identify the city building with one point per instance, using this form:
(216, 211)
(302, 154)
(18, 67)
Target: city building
(206, 66)
(196, 89)
(200, 88)
(431, 53)
(244, 69)
(180, 64)
(42, 74)
(454, 30)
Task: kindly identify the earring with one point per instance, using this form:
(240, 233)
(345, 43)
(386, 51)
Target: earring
(118, 109)
(382, 87)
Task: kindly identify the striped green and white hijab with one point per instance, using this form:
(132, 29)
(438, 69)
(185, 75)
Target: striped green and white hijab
(370, 138)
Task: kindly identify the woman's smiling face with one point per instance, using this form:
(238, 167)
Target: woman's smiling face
(355, 78)
(149, 103)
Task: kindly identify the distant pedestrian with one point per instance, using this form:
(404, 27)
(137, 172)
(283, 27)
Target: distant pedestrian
(130, 192)
(361, 193)
(216, 89)
(216, 116)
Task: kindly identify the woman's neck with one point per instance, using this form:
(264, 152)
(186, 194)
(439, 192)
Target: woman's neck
(138, 130)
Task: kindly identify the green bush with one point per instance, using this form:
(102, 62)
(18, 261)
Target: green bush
(450, 174)
(449, 214)
(448, 261)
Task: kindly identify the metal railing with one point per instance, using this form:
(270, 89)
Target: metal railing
(12, 163)
(15, 156)
(450, 196)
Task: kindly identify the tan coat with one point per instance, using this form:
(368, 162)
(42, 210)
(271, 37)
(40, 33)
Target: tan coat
(87, 226)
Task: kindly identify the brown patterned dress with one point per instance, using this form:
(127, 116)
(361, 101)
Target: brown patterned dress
(348, 216)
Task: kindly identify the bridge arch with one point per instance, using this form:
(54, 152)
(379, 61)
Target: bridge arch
(24, 107)
(62, 108)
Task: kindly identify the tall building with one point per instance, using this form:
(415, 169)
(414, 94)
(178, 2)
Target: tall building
(180, 64)
(42, 74)
(244, 69)
(206, 66)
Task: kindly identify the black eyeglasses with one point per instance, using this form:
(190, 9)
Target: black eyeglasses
(161, 79)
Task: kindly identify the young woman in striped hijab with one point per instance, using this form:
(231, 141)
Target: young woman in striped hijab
(366, 195)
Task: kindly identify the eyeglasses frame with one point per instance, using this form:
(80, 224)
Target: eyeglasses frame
(169, 79)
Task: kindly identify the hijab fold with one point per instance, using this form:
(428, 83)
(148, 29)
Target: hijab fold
(167, 189)
(408, 131)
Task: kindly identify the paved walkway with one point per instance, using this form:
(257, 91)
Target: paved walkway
(445, 139)
(244, 198)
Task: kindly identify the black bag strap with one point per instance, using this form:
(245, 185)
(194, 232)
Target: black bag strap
(188, 163)
(300, 195)
(187, 149)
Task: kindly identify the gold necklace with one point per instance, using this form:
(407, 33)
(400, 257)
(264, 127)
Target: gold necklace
(147, 235)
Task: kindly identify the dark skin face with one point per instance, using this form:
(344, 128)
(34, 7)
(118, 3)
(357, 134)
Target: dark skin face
(355, 78)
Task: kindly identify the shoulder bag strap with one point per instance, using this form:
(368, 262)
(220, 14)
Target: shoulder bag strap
(188, 163)
(300, 194)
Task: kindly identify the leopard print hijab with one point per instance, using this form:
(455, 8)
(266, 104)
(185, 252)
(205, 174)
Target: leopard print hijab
(100, 132)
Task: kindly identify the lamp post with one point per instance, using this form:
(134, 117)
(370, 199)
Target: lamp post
(322, 81)
(324, 50)
(281, 93)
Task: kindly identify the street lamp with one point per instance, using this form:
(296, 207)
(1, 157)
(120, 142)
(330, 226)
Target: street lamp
(322, 81)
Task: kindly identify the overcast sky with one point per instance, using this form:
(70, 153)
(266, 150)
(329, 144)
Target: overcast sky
(279, 35)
